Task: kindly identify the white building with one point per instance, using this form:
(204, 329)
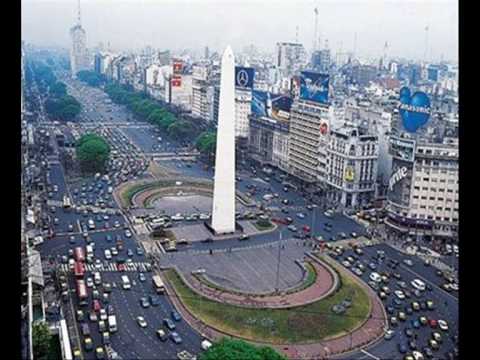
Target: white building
(290, 57)
(309, 127)
(352, 166)
(79, 59)
(243, 106)
(423, 193)
(202, 92)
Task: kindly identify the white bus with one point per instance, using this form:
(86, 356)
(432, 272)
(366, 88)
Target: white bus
(125, 282)
(158, 284)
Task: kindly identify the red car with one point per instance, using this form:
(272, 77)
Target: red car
(306, 228)
(279, 221)
(96, 305)
(121, 267)
(433, 323)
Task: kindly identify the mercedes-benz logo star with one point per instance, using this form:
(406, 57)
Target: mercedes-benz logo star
(242, 78)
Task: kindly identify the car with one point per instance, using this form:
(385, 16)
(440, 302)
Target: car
(110, 310)
(162, 335)
(105, 338)
(176, 316)
(443, 325)
(144, 302)
(89, 282)
(346, 263)
(390, 309)
(408, 262)
(402, 316)
(103, 314)
(372, 266)
(430, 305)
(301, 215)
(141, 322)
(98, 263)
(72, 239)
(154, 300)
(415, 323)
(353, 234)
(93, 316)
(433, 344)
(389, 334)
(437, 337)
(102, 326)
(77, 354)
(141, 277)
(95, 294)
(88, 344)
(139, 251)
(108, 238)
(433, 323)
(169, 324)
(423, 320)
(114, 251)
(402, 348)
(175, 337)
(397, 276)
(399, 294)
(244, 237)
(129, 252)
(80, 315)
(415, 306)
(358, 251)
(128, 234)
(108, 254)
(393, 321)
(99, 353)
(412, 344)
(408, 332)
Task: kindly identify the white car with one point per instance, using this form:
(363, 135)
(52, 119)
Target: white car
(418, 284)
(114, 251)
(103, 314)
(399, 294)
(128, 233)
(141, 322)
(108, 254)
(417, 355)
(346, 264)
(375, 277)
(98, 264)
(443, 325)
(89, 282)
(178, 217)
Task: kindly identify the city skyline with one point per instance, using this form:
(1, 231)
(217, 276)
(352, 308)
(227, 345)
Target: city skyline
(402, 25)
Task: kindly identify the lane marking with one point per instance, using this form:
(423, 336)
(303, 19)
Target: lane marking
(370, 355)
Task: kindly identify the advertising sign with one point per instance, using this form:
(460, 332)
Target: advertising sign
(259, 99)
(295, 87)
(314, 86)
(432, 73)
(199, 72)
(177, 67)
(244, 77)
(403, 149)
(416, 223)
(399, 184)
(349, 174)
(323, 128)
(176, 81)
(414, 109)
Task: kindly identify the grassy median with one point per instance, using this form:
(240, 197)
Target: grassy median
(303, 324)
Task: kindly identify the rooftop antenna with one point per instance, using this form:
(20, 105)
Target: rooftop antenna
(426, 44)
(316, 30)
(355, 44)
(296, 35)
(79, 22)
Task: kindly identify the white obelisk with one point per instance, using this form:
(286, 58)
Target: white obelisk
(223, 214)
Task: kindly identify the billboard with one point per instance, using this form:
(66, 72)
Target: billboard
(259, 99)
(349, 174)
(314, 86)
(177, 67)
(403, 149)
(199, 72)
(295, 86)
(176, 81)
(414, 109)
(432, 73)
(400, 182)
(244, 77)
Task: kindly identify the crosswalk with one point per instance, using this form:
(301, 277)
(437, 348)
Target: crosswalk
(111, 267)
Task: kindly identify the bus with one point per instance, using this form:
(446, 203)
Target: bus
(79, 270)
(66, 202)
(158, 284)
(82, 292)
(79, 254)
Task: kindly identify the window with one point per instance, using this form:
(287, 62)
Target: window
(439, 208)
(447, 219)
(431, 198)
(426, 179)
(430, 217)
(423, 198)
(448, 209)
(438, 218)
(441, 190)
(423, 207)
(415, 196)
(433, 190)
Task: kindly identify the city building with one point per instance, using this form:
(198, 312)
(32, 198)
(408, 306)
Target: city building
(309, 127)
(290, 57)
(223, 213)
(423, 189)
(79, 58)
(243, 105)
(352, 166)
(202, 92)
(362, 75)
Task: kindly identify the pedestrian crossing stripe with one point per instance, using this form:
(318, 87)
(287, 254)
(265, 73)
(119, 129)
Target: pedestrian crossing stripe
(112, 267)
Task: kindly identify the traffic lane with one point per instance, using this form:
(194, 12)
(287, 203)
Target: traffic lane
(57, 178)
(442, 311)
(424, 333)
(129, 304)
(427, 272)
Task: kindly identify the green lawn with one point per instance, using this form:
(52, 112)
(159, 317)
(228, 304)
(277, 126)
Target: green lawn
(309, 323)
(262, 227)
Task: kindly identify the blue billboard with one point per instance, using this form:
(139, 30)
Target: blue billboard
(314, 86)
(432, 73)
(259, 99)
(278, 102)
(244, 77)
(414, 109)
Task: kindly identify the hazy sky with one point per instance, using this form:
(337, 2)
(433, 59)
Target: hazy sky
(178, 24)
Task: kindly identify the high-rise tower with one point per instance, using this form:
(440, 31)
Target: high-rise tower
(78, 53)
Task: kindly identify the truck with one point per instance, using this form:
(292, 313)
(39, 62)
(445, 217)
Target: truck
(112, 323)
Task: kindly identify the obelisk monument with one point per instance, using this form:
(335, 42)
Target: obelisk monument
(223, 214)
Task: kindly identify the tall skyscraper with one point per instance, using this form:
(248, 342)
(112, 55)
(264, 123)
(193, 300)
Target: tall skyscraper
(78, 53)
(223, 214)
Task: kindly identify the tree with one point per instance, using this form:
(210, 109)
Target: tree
(207, 143)
(41, 339)
(58, 89)
(64, 108)
(91, 77)
(229, 349)
(180, 129)
(92, 153)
